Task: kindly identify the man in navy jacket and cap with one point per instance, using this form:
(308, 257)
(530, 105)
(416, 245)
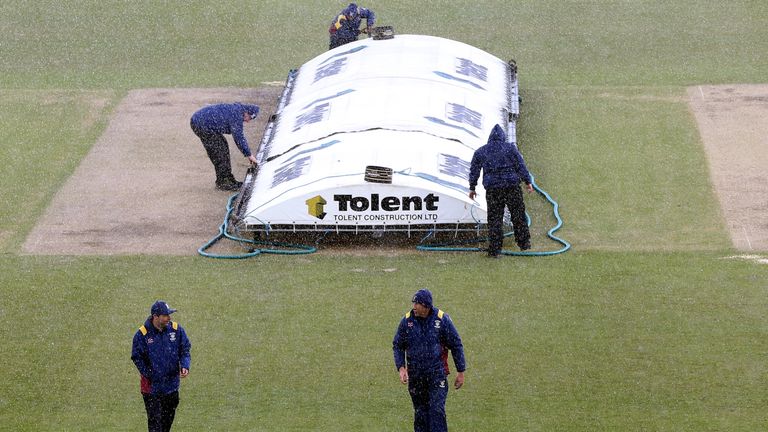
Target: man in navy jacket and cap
(161, 354)
(421, 345)
(346, 26)
(210, 124)
(503, 169)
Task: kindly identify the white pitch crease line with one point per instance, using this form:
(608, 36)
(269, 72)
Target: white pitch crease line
(749, 243)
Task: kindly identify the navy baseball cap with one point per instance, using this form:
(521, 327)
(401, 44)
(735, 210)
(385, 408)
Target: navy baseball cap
(161, 308)
(423, 297)
(252, 110)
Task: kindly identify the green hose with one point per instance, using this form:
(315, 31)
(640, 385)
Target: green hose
(287, 248)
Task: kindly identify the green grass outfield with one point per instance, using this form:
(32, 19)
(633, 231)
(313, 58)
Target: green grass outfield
(644, 325)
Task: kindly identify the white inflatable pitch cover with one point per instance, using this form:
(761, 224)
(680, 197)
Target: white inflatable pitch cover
(378, 135)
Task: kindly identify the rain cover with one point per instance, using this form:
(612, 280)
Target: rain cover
(380, 132)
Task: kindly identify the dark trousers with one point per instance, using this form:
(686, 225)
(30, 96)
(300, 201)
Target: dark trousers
(337, 41)
(511, 198)
(161, 409)
(428, 394)
(218, 152)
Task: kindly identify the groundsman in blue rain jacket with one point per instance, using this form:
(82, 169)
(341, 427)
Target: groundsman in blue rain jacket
(345, 27)
(501, 162)
(503, 169)
(210, 124)
(421, 344)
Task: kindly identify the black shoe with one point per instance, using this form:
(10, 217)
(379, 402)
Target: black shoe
(230, 185)
(492, 255)
(525, 246)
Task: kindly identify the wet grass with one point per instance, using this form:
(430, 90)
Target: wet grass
(633, 177)
(583, 341)
(113, 44)
(44, 135)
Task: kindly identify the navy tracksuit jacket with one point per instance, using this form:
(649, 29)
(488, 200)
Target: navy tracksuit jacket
(422, 345)
(159, 357)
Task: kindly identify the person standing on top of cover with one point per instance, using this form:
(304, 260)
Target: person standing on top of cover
(420, 347)
(210, 124)
(161, 353)
(503, 169)
(346, 26)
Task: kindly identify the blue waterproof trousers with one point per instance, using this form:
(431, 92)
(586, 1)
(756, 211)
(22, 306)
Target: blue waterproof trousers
(428, 394)
(337, 41)
(217, 148)
(161, 410)
(511, 198)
